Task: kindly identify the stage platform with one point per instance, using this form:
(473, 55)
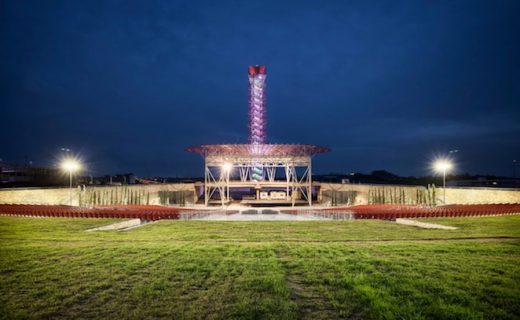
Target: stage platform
(273, 203)
(258, 203)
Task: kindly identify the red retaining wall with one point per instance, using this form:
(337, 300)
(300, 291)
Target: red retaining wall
(385, 212)
(127, 212)
(391, 212)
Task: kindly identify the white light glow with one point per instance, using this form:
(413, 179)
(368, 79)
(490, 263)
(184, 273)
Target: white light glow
(226, 167)
(442, 165)
(70, 165)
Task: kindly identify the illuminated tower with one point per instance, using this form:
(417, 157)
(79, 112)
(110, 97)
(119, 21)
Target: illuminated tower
(257, 132)
(285, 169)
(257, 123)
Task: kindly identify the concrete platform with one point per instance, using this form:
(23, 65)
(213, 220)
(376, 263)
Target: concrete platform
(273, 203)
(423, 225)
(248, 215)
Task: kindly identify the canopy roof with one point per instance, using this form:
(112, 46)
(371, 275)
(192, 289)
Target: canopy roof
(258, 150)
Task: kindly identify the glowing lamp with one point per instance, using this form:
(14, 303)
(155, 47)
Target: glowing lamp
(226, 167)
(70, 165)
(442, 166)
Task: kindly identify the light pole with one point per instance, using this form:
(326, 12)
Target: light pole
(71, 166)
(442, 166)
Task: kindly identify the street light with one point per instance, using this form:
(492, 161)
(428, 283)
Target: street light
(71, 166)
(443, 166)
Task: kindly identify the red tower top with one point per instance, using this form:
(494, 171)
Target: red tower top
(254, 70)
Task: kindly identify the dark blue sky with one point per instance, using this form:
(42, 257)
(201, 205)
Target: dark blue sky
(388, 84)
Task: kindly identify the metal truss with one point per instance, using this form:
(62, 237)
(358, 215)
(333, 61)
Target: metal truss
(223, 173)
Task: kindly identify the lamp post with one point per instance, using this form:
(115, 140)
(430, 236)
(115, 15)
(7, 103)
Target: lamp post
(70, 166)
(442, 166)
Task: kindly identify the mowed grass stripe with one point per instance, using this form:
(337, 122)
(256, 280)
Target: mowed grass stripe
(158, 272)
(204, 231)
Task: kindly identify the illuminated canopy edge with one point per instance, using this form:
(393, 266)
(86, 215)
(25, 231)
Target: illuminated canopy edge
(258, 150)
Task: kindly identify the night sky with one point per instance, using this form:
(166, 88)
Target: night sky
(386, 85)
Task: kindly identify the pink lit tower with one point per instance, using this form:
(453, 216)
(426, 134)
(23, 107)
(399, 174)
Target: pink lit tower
(257, 122)
(260, 166)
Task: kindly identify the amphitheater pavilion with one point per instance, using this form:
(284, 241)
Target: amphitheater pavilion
(260, 173)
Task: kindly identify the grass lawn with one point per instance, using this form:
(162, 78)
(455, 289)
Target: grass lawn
(51, 268)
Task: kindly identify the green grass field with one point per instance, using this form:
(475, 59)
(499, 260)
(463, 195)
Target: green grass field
(51, 268)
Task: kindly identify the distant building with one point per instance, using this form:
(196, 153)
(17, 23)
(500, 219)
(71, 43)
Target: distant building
(127, 178)
(21, 175)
